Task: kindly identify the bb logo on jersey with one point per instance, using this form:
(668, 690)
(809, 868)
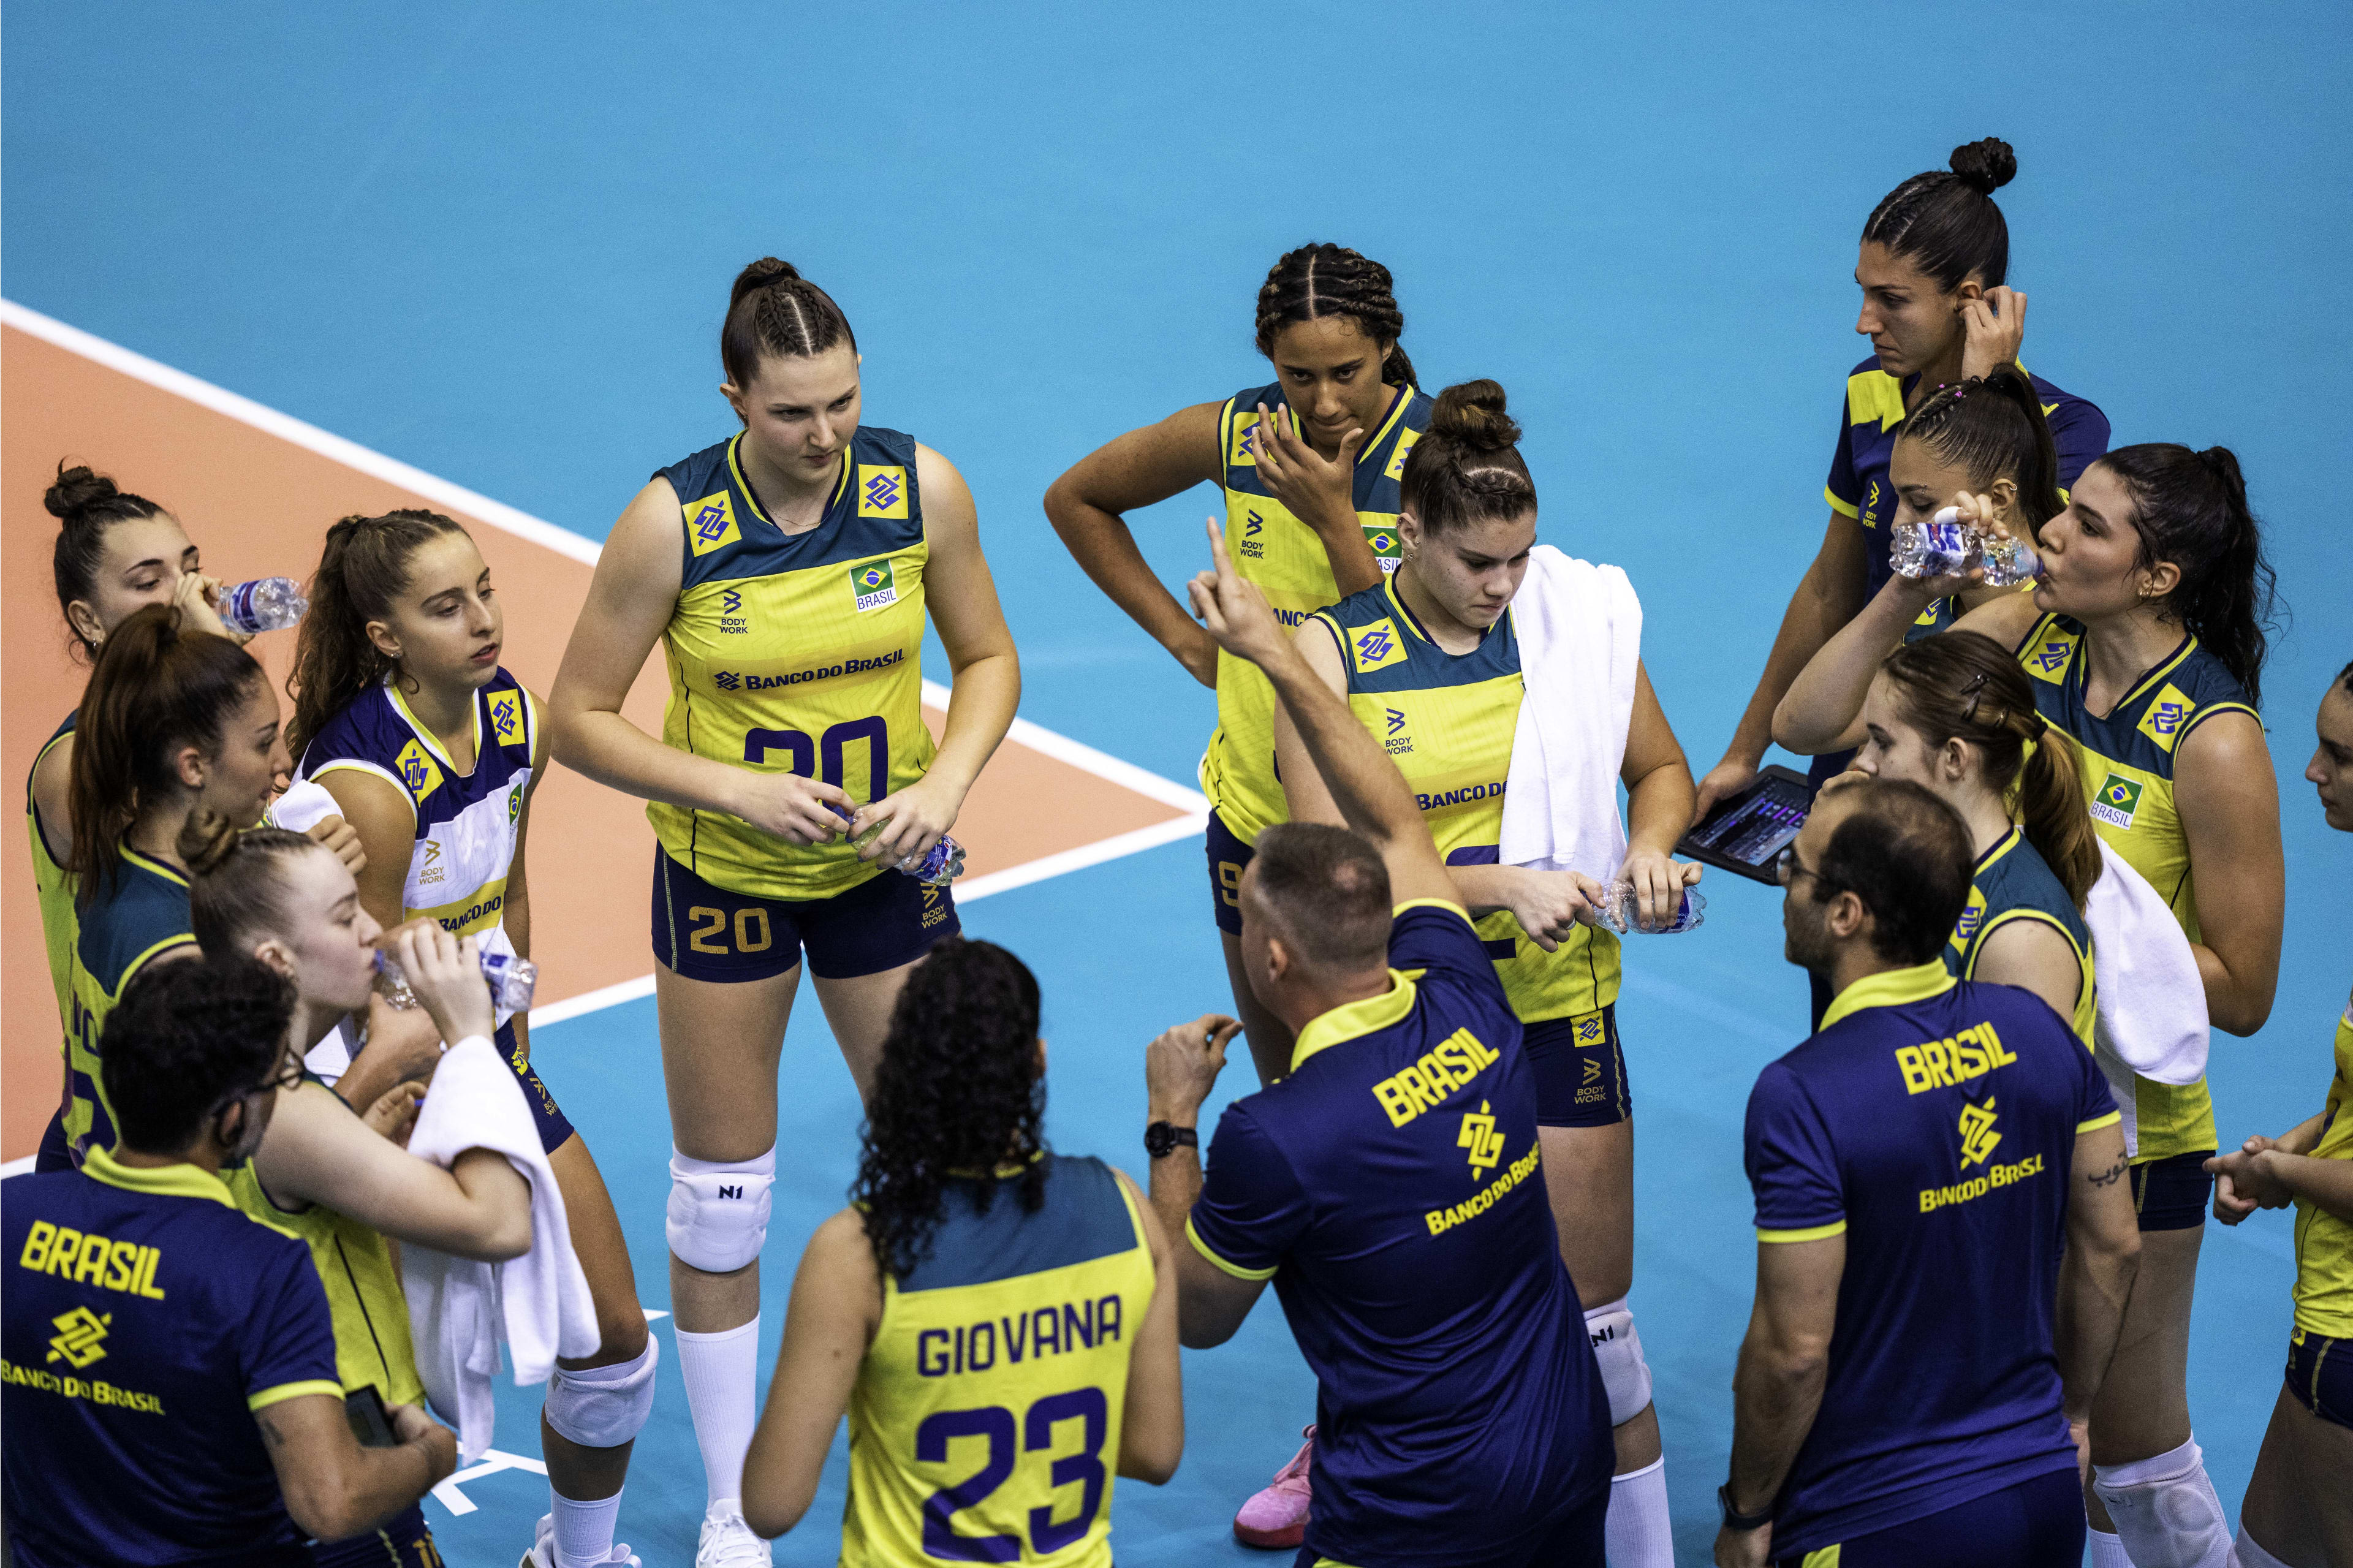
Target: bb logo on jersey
(711, 523)
(882, 490)
(873, 586)
(506, 718)
(418, 771)
(80, 1339)
(1396, 470)
(2118, 801)
(1479, 1136)
(2049, 662)
(2165, 718)
(1376, 646)
(1978, 1136)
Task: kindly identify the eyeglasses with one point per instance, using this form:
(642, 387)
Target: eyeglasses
(1788, 867)
(288, 1078)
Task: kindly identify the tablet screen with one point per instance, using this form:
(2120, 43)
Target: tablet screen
(1755, 831)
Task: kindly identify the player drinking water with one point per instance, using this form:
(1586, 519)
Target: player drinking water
(403, 714)
(786, 572)
(1309, 467)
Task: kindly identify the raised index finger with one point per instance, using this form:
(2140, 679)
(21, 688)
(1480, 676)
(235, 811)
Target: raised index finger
(1218, 556)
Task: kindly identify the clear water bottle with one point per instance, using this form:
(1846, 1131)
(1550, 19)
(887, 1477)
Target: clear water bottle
(1622, 911)
(2010, 563)
(511, 981)
(264, 605)
(935, 868)
(1941, 547)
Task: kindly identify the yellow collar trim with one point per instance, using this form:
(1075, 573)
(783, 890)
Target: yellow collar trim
(1890, 988)
(1354, 1019)
(148, 863)
(2002, 846)
(1398, 405)
(180, 1181)
(1005, 1172)
(752, 497)
(432, 741)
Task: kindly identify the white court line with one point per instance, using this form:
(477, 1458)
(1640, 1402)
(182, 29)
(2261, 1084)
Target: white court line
(564, 541)
(16, 1167)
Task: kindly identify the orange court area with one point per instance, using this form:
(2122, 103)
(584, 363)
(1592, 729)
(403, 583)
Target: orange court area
(256, 499)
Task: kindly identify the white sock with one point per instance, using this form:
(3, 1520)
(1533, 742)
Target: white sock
(2107, 1550)
(721, 1373)
(2165, 1509)
(1639, 1532)
(2251, 1556)
(583, 1531)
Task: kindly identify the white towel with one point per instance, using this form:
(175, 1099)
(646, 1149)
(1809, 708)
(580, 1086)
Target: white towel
(459, 1310)
(1581, 631)
(2152, 1017)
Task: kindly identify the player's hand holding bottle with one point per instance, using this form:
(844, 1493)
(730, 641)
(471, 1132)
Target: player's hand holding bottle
(793, 807)
(445, 973)
(1658, 880)
(910, 822)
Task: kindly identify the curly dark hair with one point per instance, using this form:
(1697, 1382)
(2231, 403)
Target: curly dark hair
(957, 1092)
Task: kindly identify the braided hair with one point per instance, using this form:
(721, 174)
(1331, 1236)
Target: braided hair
(1467, 466)
(1947, 223)
(957, 1092)
(1319, 280)
(1992, 427)
(773, 310)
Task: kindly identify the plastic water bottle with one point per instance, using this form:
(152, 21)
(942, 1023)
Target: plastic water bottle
(1620, 911)
(936, 867)
(2010, 563)
(1940, 547)
(264, 605)
(511, 981)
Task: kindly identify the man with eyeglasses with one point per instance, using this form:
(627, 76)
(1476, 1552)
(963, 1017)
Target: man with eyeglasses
(170, 1363)
(1919, 1362)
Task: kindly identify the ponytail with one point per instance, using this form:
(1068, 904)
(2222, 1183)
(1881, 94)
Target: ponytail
(1992, 427)
(362, 571)
(957, 1092)
(1964, 686)
(1467, 466)
(156, 688)
(2191, 510)
(1319, 280)
(86, 505)
(237, 878)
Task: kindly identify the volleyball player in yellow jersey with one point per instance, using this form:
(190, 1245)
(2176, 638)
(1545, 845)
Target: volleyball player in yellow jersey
(787, 573)
(2299, 1511)
(998, 1321)
(2144, 640)
(1309, 467)
(1430, 662)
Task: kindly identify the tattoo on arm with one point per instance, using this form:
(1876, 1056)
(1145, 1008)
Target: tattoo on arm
(2113, 1174)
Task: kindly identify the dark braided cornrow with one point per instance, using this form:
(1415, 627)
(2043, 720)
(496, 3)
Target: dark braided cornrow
(1319, 280)
(957, 1090)
(1992, 427)
(773, 310)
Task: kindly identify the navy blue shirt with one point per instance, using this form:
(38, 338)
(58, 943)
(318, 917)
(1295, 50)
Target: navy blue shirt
(1933, 1121)
(143, 1318)
(1390, 1189)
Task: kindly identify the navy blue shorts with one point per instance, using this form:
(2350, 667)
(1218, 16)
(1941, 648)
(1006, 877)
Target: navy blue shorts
(54, 1154)
(2320, 1375)
(1228, 857)
(2037, 1523)
(403, 1540)
(2173, 1194)
(704, 933)
(1574, 1540)
(1581, 1071)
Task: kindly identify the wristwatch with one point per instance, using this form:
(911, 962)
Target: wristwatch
(1736, 1520)
(1163, 1138)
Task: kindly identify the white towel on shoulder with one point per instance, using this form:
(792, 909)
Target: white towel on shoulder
(1581, 631)
(2152, 1016)
(459, 1309)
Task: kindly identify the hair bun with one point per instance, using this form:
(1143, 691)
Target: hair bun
(77, 489)
(1471, 414)
(207, 840)
(2224, 464)
(759, 275)
(1985, 166)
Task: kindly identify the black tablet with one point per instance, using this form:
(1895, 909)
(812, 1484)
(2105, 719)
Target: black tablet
(1743, 834)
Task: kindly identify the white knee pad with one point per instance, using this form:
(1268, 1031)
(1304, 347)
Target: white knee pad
(604, 1406)
(719, 1213)
(2165, 1509)
(1625, 1375)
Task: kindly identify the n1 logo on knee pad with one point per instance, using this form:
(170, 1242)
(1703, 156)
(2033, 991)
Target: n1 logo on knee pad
(718, 1213)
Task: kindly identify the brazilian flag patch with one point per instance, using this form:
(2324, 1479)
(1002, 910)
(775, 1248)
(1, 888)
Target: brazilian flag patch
(2117, 800)
(873, 586)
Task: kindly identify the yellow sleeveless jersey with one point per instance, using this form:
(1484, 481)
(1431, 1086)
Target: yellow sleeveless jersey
(142, 913)
(1447, 722)
(364, 1294)
(984, 1425)
(1282, 554)
(2011, 881)
(53, 886)
(796, 653)
(2128, 766)
(2324, 1243)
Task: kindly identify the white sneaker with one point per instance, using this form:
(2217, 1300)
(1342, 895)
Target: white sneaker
(727, 1541)
(542, 1549)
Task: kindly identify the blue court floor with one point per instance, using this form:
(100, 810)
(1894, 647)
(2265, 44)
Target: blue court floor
(494, 241)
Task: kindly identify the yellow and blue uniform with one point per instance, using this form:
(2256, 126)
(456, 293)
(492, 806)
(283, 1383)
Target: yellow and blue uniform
(144, 1319)
(143, 914)
(2012, 882)
(2320, 1348)
(468, 824)
(797, 653)
(1389, 1188)
(985, 1424)
(1283, 555)
(1933, 1124)
(53, 886)
(1447, 721)
(2127, 761)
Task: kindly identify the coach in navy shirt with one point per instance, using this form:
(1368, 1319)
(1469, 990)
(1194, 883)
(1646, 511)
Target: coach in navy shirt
(1917, 1356)
(170, 1363)
(1388, 1186)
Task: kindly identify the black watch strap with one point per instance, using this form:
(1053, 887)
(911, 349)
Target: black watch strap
(1163, 1138)
(1736, 1520)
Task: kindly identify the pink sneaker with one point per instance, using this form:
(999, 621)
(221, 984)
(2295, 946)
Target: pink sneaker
(1277, 1517)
